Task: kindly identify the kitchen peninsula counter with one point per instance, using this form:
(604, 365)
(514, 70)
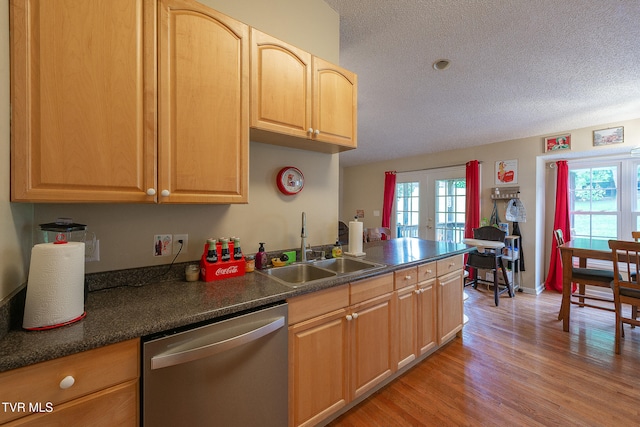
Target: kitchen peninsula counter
(131, 311)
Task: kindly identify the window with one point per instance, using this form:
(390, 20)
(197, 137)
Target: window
(407, 209)
(604, 201)
(450, 210)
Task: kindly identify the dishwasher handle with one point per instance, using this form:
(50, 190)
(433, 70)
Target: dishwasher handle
(167, 359)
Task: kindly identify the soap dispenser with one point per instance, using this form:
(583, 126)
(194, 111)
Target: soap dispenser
(336, 251)
(261, 258)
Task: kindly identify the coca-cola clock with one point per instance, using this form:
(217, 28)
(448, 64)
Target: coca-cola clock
(290, 180)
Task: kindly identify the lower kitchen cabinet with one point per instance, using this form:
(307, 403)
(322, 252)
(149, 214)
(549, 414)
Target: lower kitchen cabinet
(427, 316)
(346, 342)
(318, 355)
(318, 368)
(415, 300)
(407, 322)
(338, 351)
(98, 387)
(371, 326)
(450, 288)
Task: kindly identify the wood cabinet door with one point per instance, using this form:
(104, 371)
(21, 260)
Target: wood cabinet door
(318, 368)
(280, 86)
(450, 316)
(83, 94)
(406, 315)
(427, 315)
(203, 141)
(335, 104)
(372, 327)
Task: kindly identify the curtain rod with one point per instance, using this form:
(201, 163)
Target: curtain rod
(441, 167)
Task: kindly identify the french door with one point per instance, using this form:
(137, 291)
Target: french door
(430, 204)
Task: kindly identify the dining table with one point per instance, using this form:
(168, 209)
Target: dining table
(577, 249)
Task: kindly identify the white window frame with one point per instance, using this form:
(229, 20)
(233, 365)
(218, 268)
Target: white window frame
(627, 212)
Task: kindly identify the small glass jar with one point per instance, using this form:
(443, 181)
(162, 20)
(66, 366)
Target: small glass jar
(192, 272)
(250, 263)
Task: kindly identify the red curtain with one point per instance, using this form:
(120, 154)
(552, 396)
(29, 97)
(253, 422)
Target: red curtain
(561, 221)
(472, 202)
(472, 210)
(389, 194)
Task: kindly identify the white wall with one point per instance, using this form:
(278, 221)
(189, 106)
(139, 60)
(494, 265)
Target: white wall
(126, 231)
(15, 220)
(362, 186)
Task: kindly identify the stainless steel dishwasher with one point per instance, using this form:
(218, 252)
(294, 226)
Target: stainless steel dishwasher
(228, 373)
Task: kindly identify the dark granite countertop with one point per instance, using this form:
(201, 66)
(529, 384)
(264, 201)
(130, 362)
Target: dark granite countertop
(126, 312)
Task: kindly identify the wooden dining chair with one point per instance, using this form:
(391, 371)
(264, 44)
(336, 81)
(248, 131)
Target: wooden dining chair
(583, 277)
(626, 290)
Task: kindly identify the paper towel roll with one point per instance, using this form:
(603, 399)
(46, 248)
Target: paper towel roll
(55, 289)
(355, 239)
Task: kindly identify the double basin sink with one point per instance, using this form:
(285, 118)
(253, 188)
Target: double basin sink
(300, 274)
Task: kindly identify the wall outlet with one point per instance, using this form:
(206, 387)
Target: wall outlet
(176, 243)
(92, 252)
(162, 244)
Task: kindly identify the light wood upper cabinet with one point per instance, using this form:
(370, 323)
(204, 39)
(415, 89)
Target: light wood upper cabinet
(280, 86)
(335, 102)
(100, 114)
(299, 100)
(83, 100)
(203, 74)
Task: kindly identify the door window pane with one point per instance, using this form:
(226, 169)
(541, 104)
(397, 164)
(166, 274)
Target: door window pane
(407, 209)
(450, 210)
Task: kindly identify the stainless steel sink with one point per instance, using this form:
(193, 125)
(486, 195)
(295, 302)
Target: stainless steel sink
(346, 265)
(295, 275)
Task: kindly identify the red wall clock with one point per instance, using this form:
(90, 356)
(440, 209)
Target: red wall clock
(290, 180)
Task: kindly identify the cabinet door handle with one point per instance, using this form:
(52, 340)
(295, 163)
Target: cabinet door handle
(355, 315)
(165, 193)
(310, 130)
(67, 382)
(317, 131)
(349, 317)
(407, 277)
(151, 192)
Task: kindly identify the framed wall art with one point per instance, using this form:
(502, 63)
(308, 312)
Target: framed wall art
(608, 136)
(555, 143)
(507, 172)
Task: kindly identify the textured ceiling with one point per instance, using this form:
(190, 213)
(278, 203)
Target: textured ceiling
(519, 68)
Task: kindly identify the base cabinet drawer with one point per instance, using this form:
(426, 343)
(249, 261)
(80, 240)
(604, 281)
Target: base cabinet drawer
(51, 388)
(115, 406)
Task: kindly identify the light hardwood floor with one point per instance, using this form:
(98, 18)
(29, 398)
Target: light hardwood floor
(514, 366)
